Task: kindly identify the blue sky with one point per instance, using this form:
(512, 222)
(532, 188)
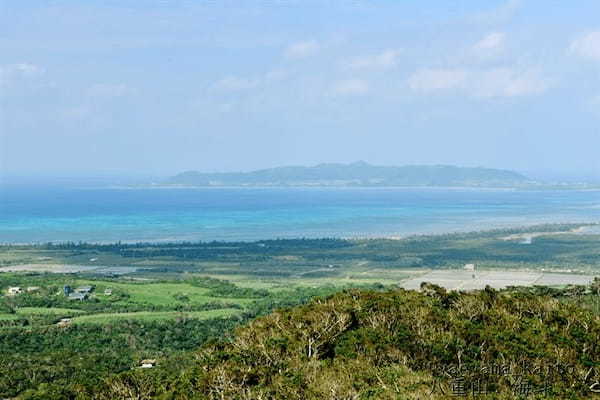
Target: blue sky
(157, 87)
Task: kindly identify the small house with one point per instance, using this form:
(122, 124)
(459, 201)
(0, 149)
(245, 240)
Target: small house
(78, 296)
(84, 289)
(147, 363)
(12, 291)
(64, 322)
(33, 289)
(108, 292)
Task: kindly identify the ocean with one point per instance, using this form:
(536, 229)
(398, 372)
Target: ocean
(43, 214)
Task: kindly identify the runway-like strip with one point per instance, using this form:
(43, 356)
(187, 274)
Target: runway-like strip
(469, 280)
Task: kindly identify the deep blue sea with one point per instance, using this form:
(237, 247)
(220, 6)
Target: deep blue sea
(41, 214)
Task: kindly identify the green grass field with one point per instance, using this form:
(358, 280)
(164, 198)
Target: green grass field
(162, 293)
(131, 300)
(8, 317)
(154, 316)
(25, 311)
(355, 276)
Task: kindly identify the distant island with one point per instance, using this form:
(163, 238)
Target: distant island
(358, 174)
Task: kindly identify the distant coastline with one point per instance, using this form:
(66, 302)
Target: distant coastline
(513, 232)
(357, 174)
(531, 187)
(363, 175)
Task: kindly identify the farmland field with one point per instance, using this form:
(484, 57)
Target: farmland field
(46, 310)
(154, 316)
(8, 317)
(163, 294)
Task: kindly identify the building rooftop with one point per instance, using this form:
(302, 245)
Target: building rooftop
(148, 363)
(77, 296)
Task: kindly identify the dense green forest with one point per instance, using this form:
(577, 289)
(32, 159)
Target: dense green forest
(360, 344)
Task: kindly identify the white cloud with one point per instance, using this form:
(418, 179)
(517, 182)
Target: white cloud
(495, 82)
(237, 83)
(508, 82)
(110, 90)
(26, 69)
(429, 80)
(234, 84)
(587, 46)
(11, 72)
(351, 87)
(301, 49)
(385, 59)
(492, 41)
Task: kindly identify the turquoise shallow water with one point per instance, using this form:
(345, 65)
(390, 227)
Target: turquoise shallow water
(43, 214)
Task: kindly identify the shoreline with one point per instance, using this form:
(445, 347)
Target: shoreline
(549, 187)
(577, 228)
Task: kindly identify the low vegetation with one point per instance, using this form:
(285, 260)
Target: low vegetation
(396, 344)
(285, 262)
(51, 344)
(231, 320)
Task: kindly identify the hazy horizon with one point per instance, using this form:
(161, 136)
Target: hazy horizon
(120, 89)
(108, 177)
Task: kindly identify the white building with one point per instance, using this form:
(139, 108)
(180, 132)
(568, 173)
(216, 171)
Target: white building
(148, 363)
(14, 290)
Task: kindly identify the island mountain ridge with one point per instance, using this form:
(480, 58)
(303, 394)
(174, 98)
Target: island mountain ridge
(356, 174)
